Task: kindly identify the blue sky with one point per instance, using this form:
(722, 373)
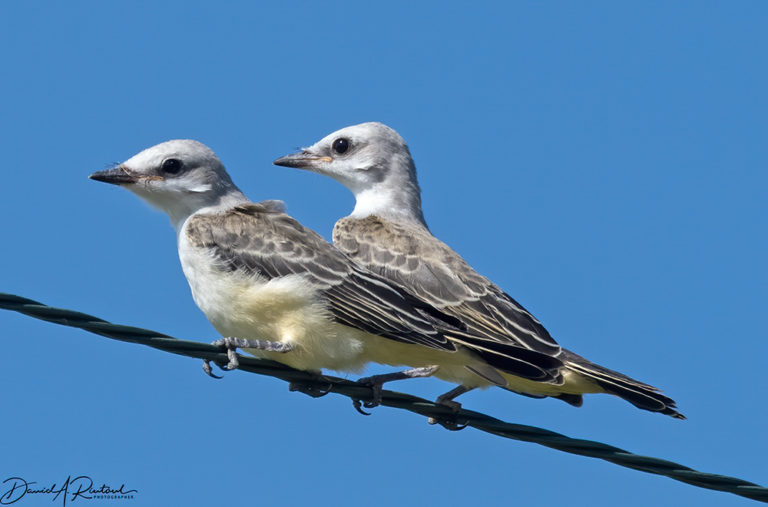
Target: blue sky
(603, 163)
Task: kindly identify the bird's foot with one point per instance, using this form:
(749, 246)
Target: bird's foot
(447, 400)
(449, 424)
(309, 390)
(376, 382)
(231, 344)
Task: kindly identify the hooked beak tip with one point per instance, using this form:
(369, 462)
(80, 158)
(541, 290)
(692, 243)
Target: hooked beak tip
(115, 176)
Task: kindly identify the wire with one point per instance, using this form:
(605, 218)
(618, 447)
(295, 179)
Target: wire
(442, 414)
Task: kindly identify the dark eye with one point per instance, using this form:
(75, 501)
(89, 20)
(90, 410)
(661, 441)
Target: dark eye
(340, 145)
(171, 166)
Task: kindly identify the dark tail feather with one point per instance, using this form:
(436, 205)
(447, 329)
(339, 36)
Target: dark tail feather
(511, 359)
(637, 393)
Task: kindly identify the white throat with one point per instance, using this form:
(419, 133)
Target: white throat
(393, 204)
(180, 209)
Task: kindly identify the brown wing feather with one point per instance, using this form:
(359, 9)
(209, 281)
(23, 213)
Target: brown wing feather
(430, 269)
(260, 238)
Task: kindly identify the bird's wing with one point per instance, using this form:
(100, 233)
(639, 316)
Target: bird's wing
(433, 272)
(261, 239)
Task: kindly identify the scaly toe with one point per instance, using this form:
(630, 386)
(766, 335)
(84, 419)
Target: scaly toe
(208, 370)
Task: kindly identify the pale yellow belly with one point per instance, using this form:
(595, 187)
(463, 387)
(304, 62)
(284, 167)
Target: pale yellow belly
(291, 310)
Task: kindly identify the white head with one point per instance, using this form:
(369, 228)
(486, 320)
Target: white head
(179, 177)
(371, 160)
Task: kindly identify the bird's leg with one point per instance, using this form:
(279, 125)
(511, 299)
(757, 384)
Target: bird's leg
(447, 400)
(232, 344)
(375, 382)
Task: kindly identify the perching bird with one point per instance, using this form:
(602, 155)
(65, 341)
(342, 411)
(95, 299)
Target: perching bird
(387, 234)
(280, 291)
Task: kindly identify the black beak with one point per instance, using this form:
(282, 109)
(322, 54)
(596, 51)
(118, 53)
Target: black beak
(117, 176)
(301, 160)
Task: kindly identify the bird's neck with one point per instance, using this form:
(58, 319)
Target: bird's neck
(400, 205)
(180, 210)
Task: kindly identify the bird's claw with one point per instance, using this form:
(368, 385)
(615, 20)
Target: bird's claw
(376, 386)
(375, 401)
(450, 422)
(208, 370)
(309, 390)
(231, 345)
(376, 383)
(359, 406)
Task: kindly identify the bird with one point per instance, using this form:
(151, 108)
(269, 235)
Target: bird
(279, 291)
(387, 234)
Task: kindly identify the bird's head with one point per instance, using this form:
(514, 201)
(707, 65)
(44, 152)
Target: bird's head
(359, 157)
(178, 177)
(370, 159)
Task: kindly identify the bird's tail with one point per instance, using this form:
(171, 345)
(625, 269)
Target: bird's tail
(637, 393)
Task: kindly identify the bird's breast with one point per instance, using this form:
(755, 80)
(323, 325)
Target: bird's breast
(288, 309)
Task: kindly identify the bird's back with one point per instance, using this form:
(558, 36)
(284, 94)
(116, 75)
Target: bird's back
(417, 261)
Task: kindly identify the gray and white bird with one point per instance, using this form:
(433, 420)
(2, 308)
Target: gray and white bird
(387, 234)
(282, 292)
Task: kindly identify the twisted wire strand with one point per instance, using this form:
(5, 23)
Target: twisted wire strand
(444, 415)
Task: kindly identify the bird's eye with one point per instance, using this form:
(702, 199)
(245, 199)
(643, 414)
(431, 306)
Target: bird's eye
(171, 166)
(340, 145)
